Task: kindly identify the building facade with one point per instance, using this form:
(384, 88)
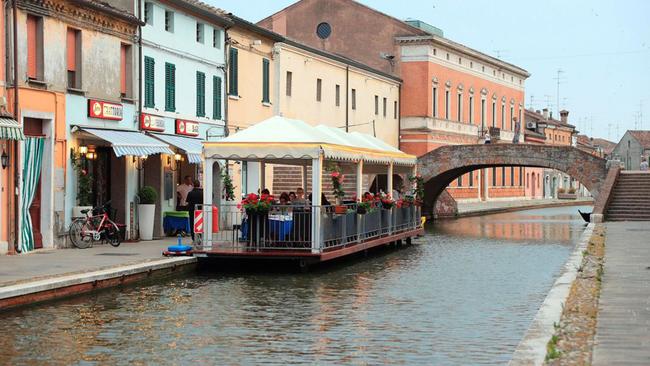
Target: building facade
(634, 146)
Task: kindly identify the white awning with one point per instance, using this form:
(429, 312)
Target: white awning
(191, 146)
(10, 129)
(131, 142)
(279, 139)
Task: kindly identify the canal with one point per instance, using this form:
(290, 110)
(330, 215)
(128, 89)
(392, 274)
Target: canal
(464, 294)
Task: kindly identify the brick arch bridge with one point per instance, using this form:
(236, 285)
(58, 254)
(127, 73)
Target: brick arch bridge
(441, 166)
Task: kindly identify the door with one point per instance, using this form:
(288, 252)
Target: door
(34, 127)
(533, 182)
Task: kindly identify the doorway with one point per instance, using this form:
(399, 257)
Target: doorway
(33, 127)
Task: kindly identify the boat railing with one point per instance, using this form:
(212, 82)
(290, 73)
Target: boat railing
(291, 227)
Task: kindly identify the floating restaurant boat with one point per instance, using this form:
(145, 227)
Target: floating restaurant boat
(311, 232)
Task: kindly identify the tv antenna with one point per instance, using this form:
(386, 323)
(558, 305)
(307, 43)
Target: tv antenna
(559, 80)
(499, 53)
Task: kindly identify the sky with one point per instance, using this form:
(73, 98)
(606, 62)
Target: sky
(601, 47)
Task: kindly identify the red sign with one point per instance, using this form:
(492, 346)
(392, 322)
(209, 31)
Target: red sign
(152, 123)
(105, 110)
(198, 222)
(187, 128)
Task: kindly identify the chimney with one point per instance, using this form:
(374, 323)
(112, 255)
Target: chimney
(545, 113)
(564, 116)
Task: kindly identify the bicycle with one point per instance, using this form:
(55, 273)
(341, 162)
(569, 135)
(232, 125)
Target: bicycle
(96, 226)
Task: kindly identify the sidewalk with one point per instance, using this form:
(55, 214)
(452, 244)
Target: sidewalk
(475, 208)
(42, 264)
(623, 330)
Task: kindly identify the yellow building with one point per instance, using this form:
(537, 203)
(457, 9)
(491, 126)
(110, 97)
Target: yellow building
(270, 75)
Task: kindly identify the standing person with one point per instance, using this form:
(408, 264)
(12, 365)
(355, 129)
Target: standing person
(183, 190)
(644, 165)
(488, 139)
(515, 139)
(194, 198)
(300, 197)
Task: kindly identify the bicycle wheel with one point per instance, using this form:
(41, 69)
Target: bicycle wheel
(113, 235)
(77, 237)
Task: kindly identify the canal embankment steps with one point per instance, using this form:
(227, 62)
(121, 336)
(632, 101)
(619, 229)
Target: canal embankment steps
(630, 199)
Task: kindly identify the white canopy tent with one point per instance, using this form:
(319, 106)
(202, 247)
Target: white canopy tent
(280, 140)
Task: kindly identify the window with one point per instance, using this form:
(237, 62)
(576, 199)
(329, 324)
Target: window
(200, 36)
(482, 113)
(447, 56)
(483, 68)
(244, 177)
(435, 102)
(169, 21)
(471, 65)
(319, 90)
(148, 13)
(377, 105)
(503, 176)
(170, 87)
(233, 87)
(385, 107)
(521, 173)
(471, 109)
(354, 99)
(265, 81)
(200, 94)
(74, 58)
(503, 116)
(460, 181)
(337, 97)
(395, 109)
(494, 177)
(216, 38)
(447, 101)
(460, 107)
(216, 98)
(289, 81)
(471, 179)
(435, 51)
(34, 47)
(512, 115)
(126, 70)
(494, 114)
(512, 176)
(149, 76)
(323, 30)
(460, 61)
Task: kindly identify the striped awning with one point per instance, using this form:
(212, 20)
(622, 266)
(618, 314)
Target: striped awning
(131, 142)
(10, 129)
(191, 146)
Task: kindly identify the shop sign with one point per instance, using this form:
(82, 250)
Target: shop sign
(105, 110)
(187, 128)
(152, 123)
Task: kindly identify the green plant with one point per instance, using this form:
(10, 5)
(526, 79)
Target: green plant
(228, 187)
(337, 181)
(418, 188)
(84, 181)
(572, 190)
(147, 195)
(551, 348)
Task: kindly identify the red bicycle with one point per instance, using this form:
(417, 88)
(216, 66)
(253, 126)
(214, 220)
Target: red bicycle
(96, 226)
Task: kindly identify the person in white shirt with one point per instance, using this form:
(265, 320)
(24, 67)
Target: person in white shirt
(183, 189)
(644, 165)
(488, 139)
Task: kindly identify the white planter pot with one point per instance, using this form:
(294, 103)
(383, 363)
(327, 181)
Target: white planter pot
(146, 215)
(76, 211)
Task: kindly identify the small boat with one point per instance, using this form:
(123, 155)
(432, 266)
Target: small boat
(585, 216)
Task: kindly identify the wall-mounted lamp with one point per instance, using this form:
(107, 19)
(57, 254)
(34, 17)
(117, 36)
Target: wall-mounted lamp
(177, 159)
(91, 155)
(4, 159)
(139, 161)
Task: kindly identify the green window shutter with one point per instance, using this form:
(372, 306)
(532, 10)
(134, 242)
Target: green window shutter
(200, 94)
(233, 88)
(170, 87)
(149, 77)
(265, 81)
(216, 97)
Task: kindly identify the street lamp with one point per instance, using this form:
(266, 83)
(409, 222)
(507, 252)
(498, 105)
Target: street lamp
(177, 159)
(5, 159)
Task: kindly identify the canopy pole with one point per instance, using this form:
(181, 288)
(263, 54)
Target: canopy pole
(360, 179)
(389, 180)
(316, 192)
(207, 203)
(262, 176)
(304, 177)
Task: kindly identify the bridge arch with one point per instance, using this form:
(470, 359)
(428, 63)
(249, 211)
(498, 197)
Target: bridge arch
(441, 166)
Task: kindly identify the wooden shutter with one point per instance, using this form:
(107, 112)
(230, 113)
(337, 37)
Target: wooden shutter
(123, 49)
(233, 88)
(265, 81)
(200, 94)
(149, 84)
(170, 87)
(72, 49)
(32, 68)
(216, 97)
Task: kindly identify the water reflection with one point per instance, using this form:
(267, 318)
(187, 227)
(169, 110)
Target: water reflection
(465, 296)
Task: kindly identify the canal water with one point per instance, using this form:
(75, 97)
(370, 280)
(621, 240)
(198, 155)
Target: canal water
(465, 294)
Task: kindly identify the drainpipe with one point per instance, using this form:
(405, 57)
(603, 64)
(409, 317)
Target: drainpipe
(226, 48)
(16, 116)
(347, 97)
(399, 117)
(139, 76)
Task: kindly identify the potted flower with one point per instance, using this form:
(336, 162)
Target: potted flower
(228, 211)
(84, 187)
(337, 184)
(257, 210)
(386, 201)
(418, 189)
(365, 205)
(147, 211)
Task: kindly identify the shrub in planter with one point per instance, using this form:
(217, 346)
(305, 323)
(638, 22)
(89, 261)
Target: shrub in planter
(148, 195)
(572, 191)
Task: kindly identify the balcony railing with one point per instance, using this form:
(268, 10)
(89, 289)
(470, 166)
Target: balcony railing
(291, 227)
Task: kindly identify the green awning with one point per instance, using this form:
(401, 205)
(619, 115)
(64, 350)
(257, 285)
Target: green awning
(10, 129)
